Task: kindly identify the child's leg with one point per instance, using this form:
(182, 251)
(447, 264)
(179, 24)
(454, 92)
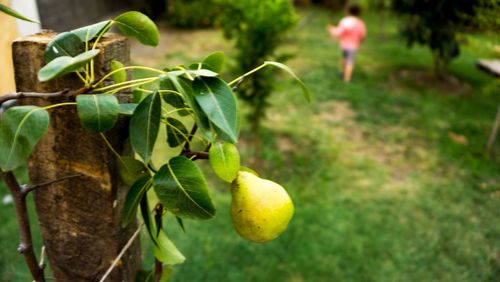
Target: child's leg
(348, 72)
(343, 62)
(349, 64)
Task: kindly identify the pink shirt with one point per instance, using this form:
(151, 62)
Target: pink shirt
(351, 31)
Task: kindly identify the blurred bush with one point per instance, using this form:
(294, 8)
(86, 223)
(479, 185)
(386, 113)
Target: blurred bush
(437, 25)
(336, 5)
(257, 27)
(192, 13)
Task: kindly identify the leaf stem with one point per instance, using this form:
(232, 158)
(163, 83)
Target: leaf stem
(101, 34)
(59, 105)
(131, 86)
(113, 150)
(83, 79)
(247, 74)
(121, 85)
(127, 68)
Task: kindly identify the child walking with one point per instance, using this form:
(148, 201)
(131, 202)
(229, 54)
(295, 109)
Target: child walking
(350, 32)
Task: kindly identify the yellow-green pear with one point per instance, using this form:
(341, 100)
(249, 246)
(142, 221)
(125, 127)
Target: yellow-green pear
(260, 208)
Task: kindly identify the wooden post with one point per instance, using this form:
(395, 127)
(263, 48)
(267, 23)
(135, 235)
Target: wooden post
(79, 218)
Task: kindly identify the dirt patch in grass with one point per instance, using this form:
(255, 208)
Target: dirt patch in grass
(424, 78)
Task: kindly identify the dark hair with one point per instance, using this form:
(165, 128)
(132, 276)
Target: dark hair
(353, 9)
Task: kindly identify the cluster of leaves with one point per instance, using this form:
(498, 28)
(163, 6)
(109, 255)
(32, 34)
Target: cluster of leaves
(436, 24)
(258, 27)
(487, 15)
(334, 5)
(172, 98)
(193, 13)
(379, 5)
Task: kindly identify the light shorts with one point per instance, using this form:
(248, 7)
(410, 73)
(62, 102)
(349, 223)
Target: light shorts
(349, 55)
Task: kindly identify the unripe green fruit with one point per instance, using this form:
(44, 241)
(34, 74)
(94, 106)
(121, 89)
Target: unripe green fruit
(260, 208)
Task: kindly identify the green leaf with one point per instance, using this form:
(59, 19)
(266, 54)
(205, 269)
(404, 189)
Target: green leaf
(98, 113)
(146, 217)
(218, 102)
(87, 33)
(158, 218)
(138, 95)
(131, 170)
(177, 102)
(11, 12)
(127, 108)
(119, 76)
(214, 61)
(166, 273)
(20, 129)
(173, 99)
(284, 67)
(133, 198)
(225, 161)
(200, 72)
(166, 252)
(176, 132)
(183, 86)
(144, 126)
(139, 26)
(182, 189)
(63, 65)
(64, 44)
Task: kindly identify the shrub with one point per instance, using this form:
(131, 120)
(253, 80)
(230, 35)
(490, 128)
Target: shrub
(192, 13)
(258, 27)
(332, 4)
(436, 25)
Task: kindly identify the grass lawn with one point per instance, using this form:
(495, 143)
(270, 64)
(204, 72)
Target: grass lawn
(388, 174)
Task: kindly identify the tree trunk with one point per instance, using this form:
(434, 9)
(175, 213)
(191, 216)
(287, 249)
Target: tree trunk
(80, 218)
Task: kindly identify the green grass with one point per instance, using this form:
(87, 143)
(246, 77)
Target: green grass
(381, 190)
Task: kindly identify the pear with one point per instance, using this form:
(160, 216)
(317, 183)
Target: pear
(260, 208)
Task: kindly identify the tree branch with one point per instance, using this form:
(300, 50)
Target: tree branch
(27, 189)
(23, 95)
(26, 245)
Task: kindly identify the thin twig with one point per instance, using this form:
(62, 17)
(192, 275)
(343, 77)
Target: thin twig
(26, 245)
(22, 95)
(26, 190)
(120, 255)
(195, 155)
(189, 139)
(42, 258)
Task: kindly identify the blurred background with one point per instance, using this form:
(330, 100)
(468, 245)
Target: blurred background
(395, 176)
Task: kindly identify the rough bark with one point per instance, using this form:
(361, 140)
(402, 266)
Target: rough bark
(79, 219)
